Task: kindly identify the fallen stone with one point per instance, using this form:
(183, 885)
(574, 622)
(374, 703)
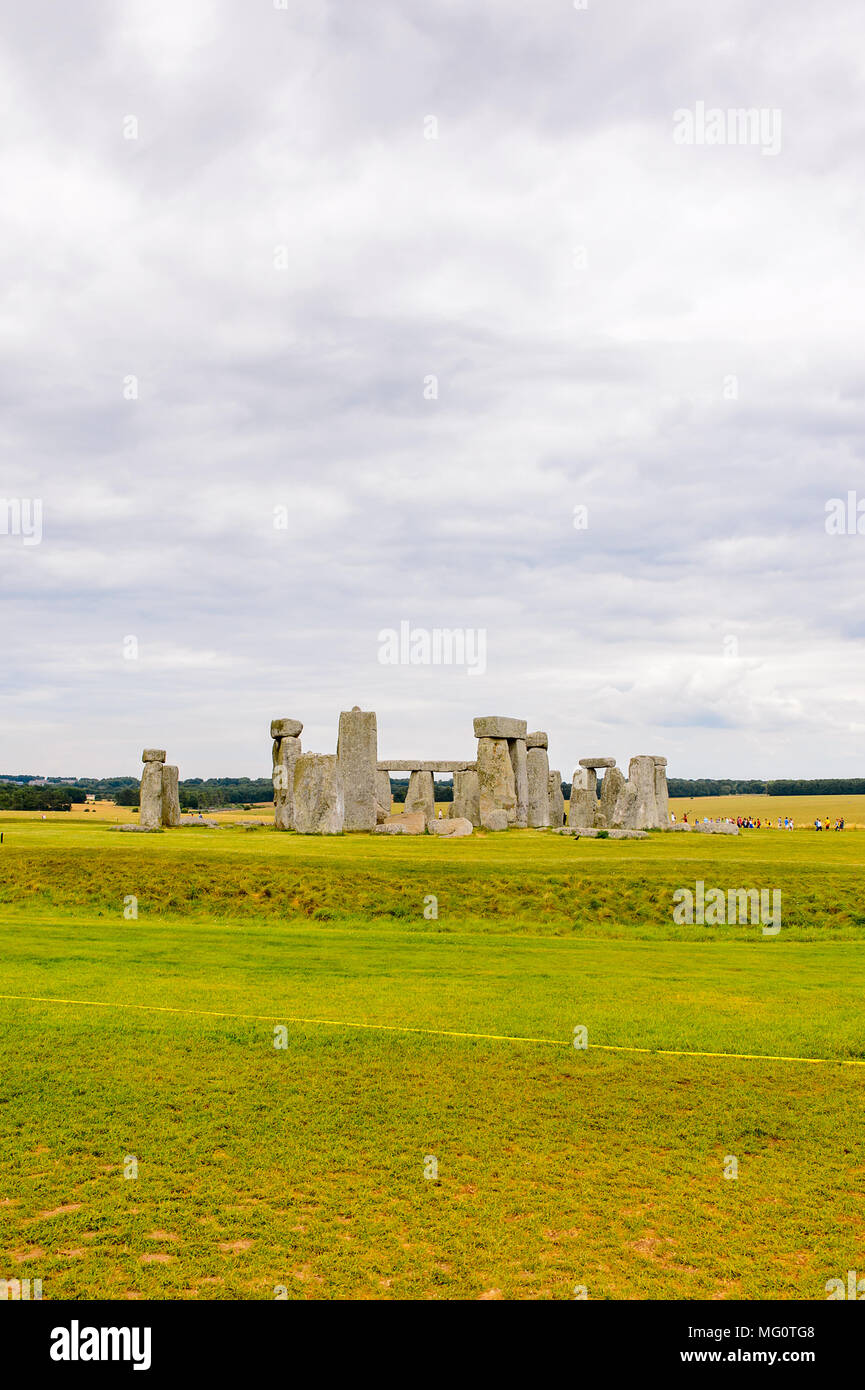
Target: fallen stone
(455, 825)
(713, 828)
(319, 806)
(498, 726)
(138, 829)
(198, 820)
(592, 832)
(409, 823)
(496, 820)
(286, 728)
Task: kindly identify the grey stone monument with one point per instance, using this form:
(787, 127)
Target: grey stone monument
(357, 751)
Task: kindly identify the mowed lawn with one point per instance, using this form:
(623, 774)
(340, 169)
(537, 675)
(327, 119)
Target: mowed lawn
(306, 1168)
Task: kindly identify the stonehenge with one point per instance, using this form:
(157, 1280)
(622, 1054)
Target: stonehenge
(640, 802)
(508, 785)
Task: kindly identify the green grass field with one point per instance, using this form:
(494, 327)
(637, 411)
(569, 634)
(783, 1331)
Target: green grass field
(304, 1167)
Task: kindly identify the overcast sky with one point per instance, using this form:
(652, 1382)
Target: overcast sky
(421, 279)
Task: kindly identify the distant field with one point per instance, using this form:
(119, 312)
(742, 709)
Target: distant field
(803, 809)
(412, 1037)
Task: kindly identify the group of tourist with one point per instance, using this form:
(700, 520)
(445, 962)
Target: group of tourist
(756, 823)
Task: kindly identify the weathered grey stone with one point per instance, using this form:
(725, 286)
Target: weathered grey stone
(498, 726)
(466, 804)
(712, 827)
(641, 775)
(557, 799)
(584, 796)
(496, 820)
(357, 750)
(611, 789)
(597, 762)
(286, 752)
(662, 795)
(659, 761)
(625, 814)
(420, 796)
(383, 797)
(319, 804)
(538, 769)
(496, 786)
(589, 832)
(150, 797)
(170, 795)
(409, 823)
(425, 765)
(518, 756)
(153, 755)
(286, 728)
(537, 740)
(454, 825)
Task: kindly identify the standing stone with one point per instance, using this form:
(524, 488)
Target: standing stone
(319, 805)
(382, 796)
(611, 789)
(170, 795)
(420, 796)
(662, 794)
(641, 775)
(150, 798)
(584, 797)
(538, 769)
(625, 815)
(497, 796)
(286, 751)
(357, 751)
(518, 754)
(467, 797)
(557, 800)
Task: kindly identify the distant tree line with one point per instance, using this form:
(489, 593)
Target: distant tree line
(785, 786)
(15, 797)
(442, 791)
